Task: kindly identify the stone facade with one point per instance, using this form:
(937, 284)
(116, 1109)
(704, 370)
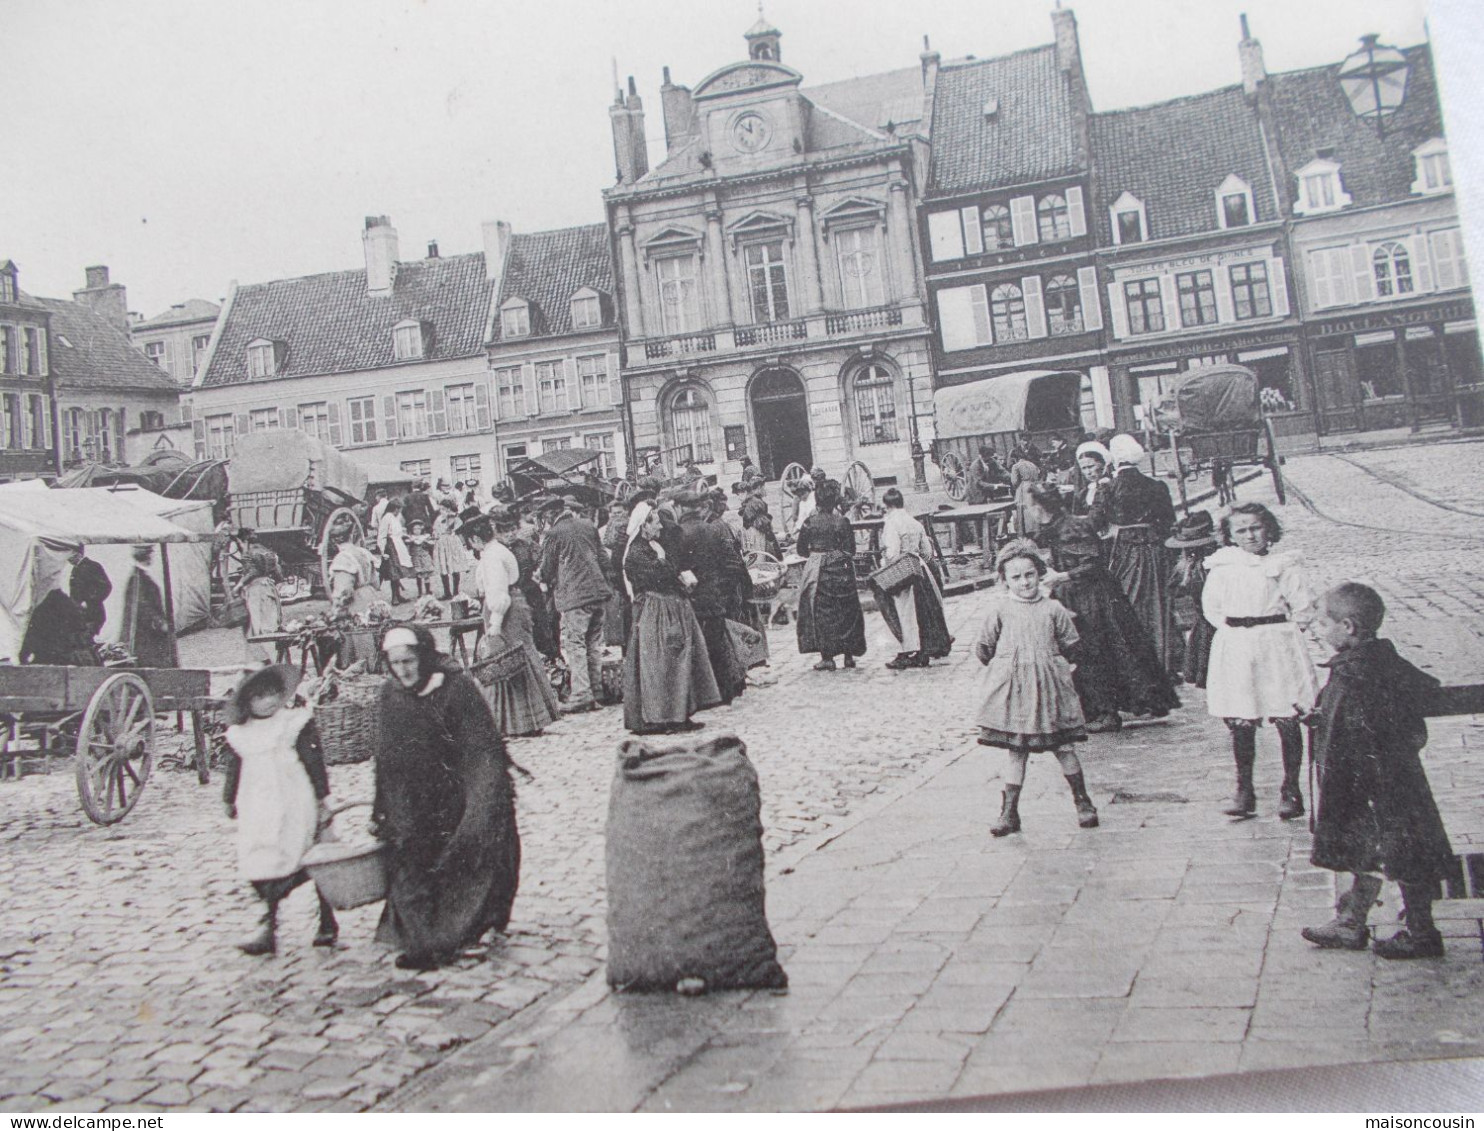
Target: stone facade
(177, 340)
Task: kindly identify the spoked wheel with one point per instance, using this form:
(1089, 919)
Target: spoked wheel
(1275, 464)
(858, 479)
(115, 747)
(622, 489)
(791, 476)
(955, 480)
(340, 527)
(228, 564)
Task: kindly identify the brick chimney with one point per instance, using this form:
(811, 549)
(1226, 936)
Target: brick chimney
(630, 153)
(107, 299)
(432, 249)
(680, 113)
(380, 243)
(1253, 69)
(1068, 49)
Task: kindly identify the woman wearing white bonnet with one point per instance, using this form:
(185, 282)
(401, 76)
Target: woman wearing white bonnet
(1093, 463)
(1137, 513)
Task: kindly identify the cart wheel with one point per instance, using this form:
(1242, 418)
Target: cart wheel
(342, 525)
(115, 747)
(955, 482)
(1275, 464)
(622, 489)
(229, 564)
(791, 476)
(858, 479)
(701, 486)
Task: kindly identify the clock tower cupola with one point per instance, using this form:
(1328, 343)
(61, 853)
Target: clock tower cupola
(762, 39)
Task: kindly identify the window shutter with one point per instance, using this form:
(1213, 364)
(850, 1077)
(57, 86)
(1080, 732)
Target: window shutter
(198, 435)
(973, 234)
(288, 419)
(1087, 293)
(41, 353)
(28, 420)
(336, 437)
(1076, 216)
(437, 413)
(1445, 259)
(574, 384)
(1278, 283)
(241, 424)
(1035, 309)
(945, 235)
(615, 382)
(482, 405)
(1171, 301)
(1363, 273)
(1023, 220)
(389, 415)
(958, 318)
(1118, 310)
(1225, 308)
(46, 417)
(187, 412)
(533, 395)
(979, 299)
(1421, 264)
(1319, 275)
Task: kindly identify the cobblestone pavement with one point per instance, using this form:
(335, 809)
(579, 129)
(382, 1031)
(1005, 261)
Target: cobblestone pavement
(925, 959)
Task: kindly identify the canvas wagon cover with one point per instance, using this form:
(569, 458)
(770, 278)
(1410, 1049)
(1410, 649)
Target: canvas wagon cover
(283, 460)
(1217, 398)
(1037, 400)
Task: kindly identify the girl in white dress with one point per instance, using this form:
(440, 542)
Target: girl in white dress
(1258, 601)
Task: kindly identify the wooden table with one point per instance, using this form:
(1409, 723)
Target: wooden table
(458, 631)
(990, 520)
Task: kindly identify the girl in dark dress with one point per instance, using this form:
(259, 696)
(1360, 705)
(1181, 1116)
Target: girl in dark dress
(445, 806)
(1138, 512)
(830, 618)
(1117, 667)
(1195, 539)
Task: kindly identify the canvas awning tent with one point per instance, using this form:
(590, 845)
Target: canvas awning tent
(1038, 400)
(1213, 398)
(288, 461)
(36, 524)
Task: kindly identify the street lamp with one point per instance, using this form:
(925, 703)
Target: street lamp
(919, 470)
(1374, 80)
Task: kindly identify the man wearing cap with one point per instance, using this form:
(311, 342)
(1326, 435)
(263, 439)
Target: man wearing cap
(572, 572)
(89, 587)
(723, 516)
(722, 585)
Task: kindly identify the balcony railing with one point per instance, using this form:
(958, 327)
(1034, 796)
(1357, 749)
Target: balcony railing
(771, 333)
(671, 347)
(855, 320)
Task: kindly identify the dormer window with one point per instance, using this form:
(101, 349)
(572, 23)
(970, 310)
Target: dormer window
(1320, 188)
(262, 358)
(587, 310)
(410, 340)
(7, 283)
(515, 318)
(1130, 223)
(1434, 174)
(1234, 203)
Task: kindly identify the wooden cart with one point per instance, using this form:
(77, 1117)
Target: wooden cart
(1215, 419)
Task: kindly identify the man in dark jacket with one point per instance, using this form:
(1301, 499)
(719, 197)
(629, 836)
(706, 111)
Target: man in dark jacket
(572, 572)
(89, 587)
(722, 585)
(419, 506)
(1375, 811)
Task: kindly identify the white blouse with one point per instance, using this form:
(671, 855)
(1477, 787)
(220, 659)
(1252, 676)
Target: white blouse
(494, 574)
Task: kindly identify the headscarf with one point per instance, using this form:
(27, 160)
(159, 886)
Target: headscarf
(1125, 450)
(637, 518)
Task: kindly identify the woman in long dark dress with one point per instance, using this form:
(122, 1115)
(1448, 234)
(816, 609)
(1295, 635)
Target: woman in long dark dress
(1117, 666)
(830, 618)
(1138, 514)
(667, 675)
(445, 806)
(147, 631)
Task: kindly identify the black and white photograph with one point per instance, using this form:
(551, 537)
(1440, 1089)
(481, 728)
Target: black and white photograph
(741, 557)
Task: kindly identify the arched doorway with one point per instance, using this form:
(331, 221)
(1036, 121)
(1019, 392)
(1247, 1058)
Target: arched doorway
(780, 412)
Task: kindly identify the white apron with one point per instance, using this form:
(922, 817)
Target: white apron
(276, 808)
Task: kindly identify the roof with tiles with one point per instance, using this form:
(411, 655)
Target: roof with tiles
(1312, 114)
(1173, 156)
(547, 268)
(330, 323)
(1032, 135)
(181, 314)
(86, 351)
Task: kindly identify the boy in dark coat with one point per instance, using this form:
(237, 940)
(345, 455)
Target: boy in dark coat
(1375, 810)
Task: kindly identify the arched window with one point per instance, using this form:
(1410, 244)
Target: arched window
(876, 404)
(998, 231)
(1053, 219)
(1063, 305)
(1007, 313)
(1393, 267)
(690, 424)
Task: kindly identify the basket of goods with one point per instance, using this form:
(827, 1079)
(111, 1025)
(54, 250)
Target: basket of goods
(428, 608)
(346, 712)
(895, 575)
(347, 875)
(501, 666)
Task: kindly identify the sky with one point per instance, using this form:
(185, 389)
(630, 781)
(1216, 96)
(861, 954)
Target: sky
(188, 143)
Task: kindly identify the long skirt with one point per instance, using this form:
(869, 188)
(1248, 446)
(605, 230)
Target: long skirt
(921, 606)
(667, 675)
(449, 556)
(1117, 666)
(731, 675)
(1139, 562)
(522, 702)
(264, 615)
(830, 618)
(543, 621)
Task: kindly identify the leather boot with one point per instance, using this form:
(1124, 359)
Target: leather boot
(329, 929)
(1421, 937)
(1087, 815)
(1291, 799)
(1244, 753)
(266, 940)
(1009, 821)
(1348, 930)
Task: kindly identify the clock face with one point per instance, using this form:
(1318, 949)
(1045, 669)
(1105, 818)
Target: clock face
(751, 132)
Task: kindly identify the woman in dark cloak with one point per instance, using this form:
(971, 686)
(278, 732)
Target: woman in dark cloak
(147, 630)
(1117, 666)
(830, 618)
(445, 806)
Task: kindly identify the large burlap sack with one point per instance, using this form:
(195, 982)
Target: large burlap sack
(685, 870)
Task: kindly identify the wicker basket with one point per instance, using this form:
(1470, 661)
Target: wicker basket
(501, 666)
(350, 725)
(348, 875)
(896, 575)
